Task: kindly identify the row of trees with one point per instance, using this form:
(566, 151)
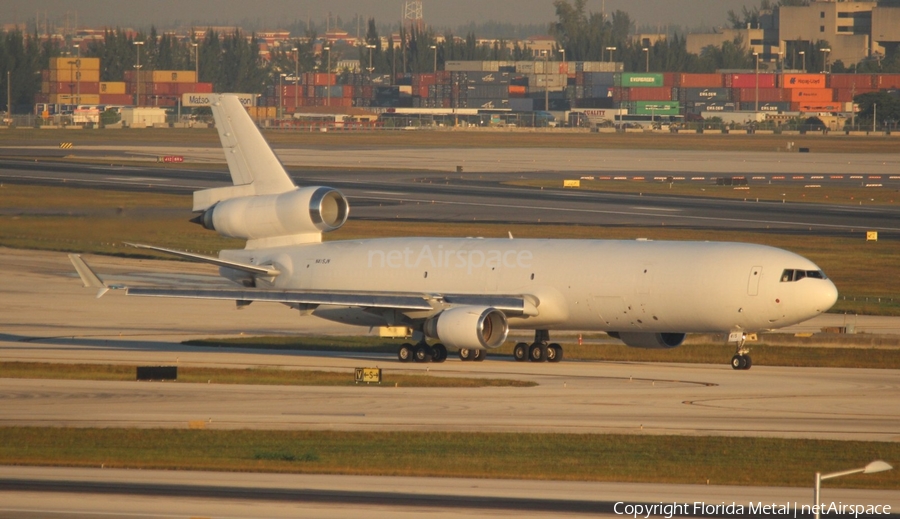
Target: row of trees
(232, 61)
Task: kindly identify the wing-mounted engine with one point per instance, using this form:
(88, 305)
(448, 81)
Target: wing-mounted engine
(297, 216)
(472, 327)
(652, 341)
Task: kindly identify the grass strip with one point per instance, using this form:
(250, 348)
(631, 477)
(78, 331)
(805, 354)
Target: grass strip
(873, 354)
(574, 457)
(758, 190)
(98, 221)
(835, 142)
(260, 376)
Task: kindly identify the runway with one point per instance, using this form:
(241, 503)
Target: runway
(416, 195)
(70, 492)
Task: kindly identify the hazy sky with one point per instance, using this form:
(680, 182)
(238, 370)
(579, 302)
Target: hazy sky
(272, 13)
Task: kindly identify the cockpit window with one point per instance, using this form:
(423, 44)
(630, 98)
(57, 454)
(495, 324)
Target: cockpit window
(790, 275)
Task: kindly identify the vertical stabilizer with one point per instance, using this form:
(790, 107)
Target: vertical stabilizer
(254, 168)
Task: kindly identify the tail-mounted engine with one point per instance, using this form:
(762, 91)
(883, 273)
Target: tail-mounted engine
(305, 211)
(472, 327)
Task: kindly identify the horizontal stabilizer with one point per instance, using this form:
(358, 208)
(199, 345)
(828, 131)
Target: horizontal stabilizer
(258, 270)
(89, 278)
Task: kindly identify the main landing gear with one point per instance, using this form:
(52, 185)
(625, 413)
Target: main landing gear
(422, 352)
(741, 359)
(541, 350)
(466, 354)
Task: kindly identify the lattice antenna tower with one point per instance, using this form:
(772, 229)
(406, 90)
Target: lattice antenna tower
(412, 14)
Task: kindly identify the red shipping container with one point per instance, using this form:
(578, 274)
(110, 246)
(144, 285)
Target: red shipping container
(648, 94)
(887, 81)
(699, 80)
(848, 81)
(808, 95)
(669, 79)
(845, 95)
(116, 99)
(72, 88)
(203, 88)
(349, 91)
(749, 80)
(161, 88)
(748, 95)
(422, 91)
(368, 92)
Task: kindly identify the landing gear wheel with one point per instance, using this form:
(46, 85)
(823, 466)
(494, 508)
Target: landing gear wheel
(440, 353)
(424, 353)
(479, 355)
(554, 353)
(747, 361)
(537, 352)
(405, 353)
(465, 354)
(739, 362)
(520, 352)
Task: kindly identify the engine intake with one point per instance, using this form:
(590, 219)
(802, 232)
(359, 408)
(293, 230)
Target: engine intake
(652, 341)
(302, 211)
(473, 327)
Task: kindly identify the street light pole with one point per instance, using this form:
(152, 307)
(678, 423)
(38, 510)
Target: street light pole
(647, 55)
(371, 47)
(281, 95)
(296, 73)
(756, 55)
(434, 48)
(77, 74)
(871, 468)
(196, 61)
(8, 99)
(328, 78)
(825, 54)
(137, 76)
(803, 57)
(611, 50)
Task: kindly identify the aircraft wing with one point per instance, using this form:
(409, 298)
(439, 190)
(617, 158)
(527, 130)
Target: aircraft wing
(510, 304)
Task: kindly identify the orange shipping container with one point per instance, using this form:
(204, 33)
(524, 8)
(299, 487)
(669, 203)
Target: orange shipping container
(803, 81)
(516, 91)
(814, 95)
(749, 95)
(816, 107)
(699, 80)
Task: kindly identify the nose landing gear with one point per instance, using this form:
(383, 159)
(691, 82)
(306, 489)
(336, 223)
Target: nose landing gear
(741, 359)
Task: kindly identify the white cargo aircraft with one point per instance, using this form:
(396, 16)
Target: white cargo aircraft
(467, 293)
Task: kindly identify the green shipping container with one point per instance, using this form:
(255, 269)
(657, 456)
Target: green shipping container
(631, 79)
(657, 108)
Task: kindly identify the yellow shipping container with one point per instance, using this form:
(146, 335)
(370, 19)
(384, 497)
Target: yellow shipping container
(67, 75)
(82, 63)
(169, 76)
(45, 87)
(71, 99)
(112, 87)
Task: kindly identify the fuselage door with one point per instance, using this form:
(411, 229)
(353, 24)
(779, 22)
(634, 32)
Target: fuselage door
(753, 281)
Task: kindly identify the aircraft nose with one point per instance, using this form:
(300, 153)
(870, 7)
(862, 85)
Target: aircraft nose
(826, 296)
